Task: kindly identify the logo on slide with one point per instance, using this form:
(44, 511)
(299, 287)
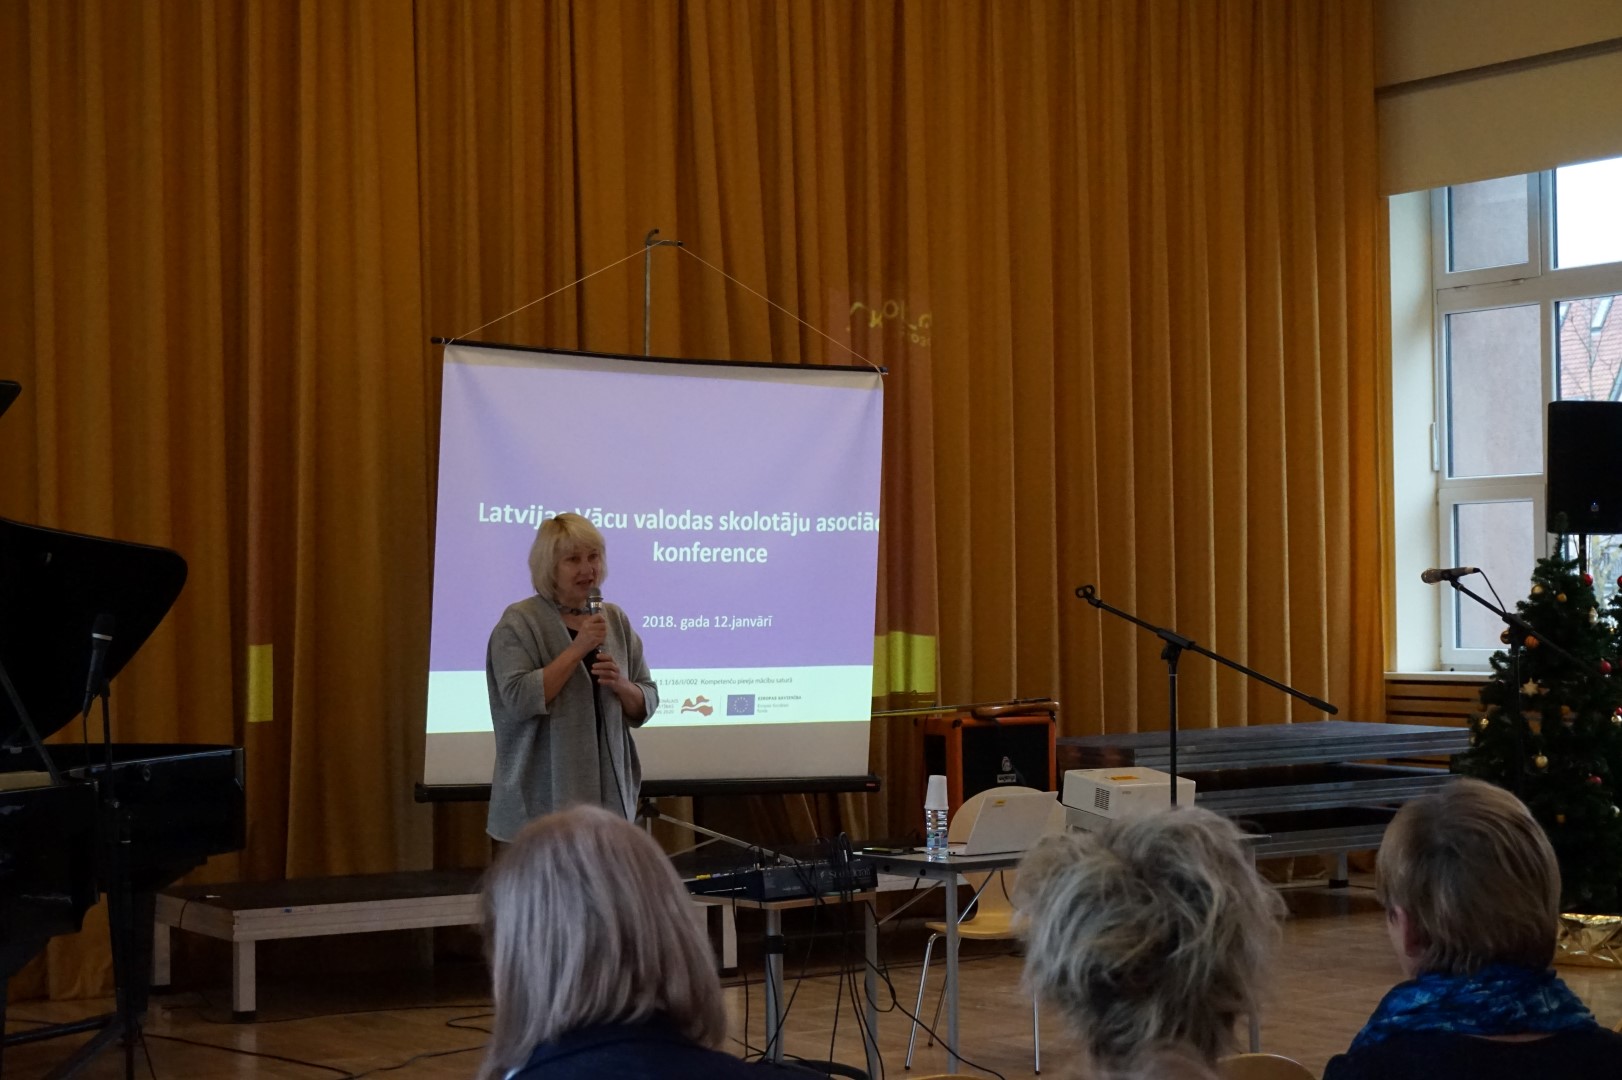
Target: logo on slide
(699, 704)
(740, 704)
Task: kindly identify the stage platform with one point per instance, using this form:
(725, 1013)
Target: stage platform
(246, 913)
(1319, 787)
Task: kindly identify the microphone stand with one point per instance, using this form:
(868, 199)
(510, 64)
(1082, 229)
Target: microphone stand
(1520, 631)
(127, 912)
(1515, 622)
(1176, 645)
(773, 942)
(649, 811)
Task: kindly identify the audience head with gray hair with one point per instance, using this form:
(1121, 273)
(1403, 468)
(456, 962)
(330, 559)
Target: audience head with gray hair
(1152, 935)
(596, 966)
(587, 924)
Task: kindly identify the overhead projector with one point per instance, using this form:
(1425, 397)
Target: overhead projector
(1094, 797)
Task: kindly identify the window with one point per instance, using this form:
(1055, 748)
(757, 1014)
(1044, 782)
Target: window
(1527, 272)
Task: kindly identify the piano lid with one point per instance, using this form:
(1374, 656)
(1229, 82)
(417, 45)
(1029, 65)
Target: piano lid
(53, 585)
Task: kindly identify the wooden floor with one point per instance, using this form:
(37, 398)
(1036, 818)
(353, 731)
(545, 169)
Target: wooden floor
(1334, 965)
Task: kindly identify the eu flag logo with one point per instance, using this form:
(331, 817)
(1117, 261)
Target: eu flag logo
(740, 704)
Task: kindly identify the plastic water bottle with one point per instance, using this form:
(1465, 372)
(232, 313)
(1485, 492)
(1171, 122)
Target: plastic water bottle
(935, 812)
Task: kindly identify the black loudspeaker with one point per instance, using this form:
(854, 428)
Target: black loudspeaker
(975, 755)
(1007, 754)
(1584, 468)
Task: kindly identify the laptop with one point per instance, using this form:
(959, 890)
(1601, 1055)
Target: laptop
(1009, 823)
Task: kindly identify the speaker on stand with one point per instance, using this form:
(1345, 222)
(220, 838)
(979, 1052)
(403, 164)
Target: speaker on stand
(977, 747)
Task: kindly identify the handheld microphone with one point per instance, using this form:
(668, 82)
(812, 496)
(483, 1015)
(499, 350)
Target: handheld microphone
(101, 636)
(1452, 573)
(594, 605)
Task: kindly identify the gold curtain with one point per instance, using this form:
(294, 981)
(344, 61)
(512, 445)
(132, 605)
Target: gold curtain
(1120, 259)
(1141, 240)
(213, 285)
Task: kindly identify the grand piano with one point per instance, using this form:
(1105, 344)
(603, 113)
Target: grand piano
(80, 820)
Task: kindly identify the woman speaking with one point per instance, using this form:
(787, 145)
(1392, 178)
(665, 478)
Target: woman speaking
(567, 683)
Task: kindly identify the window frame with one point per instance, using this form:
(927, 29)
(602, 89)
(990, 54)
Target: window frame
(1442, 231)
(1535, 282)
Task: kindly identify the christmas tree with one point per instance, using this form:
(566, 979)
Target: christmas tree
(1551, 732)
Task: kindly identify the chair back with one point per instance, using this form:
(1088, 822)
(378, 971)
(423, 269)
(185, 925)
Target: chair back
(995, 897)
(1263, 1067)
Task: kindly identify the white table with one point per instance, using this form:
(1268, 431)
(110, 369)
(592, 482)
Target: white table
(945, 872)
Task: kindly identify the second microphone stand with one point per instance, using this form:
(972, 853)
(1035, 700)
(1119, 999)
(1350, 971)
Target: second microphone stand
(1176, 645)
(1520, 634)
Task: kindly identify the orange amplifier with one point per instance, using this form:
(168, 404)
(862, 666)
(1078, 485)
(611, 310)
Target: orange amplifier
(985, 746)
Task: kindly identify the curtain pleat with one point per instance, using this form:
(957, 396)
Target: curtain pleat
(217, 287)
(1121, 261)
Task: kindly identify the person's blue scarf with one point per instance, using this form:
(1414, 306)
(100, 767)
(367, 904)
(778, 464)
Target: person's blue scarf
(1497, 1000)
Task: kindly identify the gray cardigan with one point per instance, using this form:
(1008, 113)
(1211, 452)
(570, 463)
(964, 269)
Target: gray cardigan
(550, 757)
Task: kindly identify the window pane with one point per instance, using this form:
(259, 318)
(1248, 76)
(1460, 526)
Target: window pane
(1604, 562)
(1497, 537)
(1487, 224)
(1494, 392)
(1588, 213)
(1588, 348)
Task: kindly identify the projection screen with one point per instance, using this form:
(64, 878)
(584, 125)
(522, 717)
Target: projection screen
(739, 503)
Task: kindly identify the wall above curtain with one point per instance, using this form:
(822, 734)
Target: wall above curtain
(1477, 89)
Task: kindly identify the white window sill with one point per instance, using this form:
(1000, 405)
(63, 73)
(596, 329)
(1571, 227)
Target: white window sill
(1463, 675)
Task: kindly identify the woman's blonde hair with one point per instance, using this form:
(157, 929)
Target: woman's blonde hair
(1152, 934)
(556, 538)
(1477, 877)
(586, 922)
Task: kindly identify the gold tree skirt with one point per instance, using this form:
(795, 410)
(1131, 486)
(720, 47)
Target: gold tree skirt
(1590, 941)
